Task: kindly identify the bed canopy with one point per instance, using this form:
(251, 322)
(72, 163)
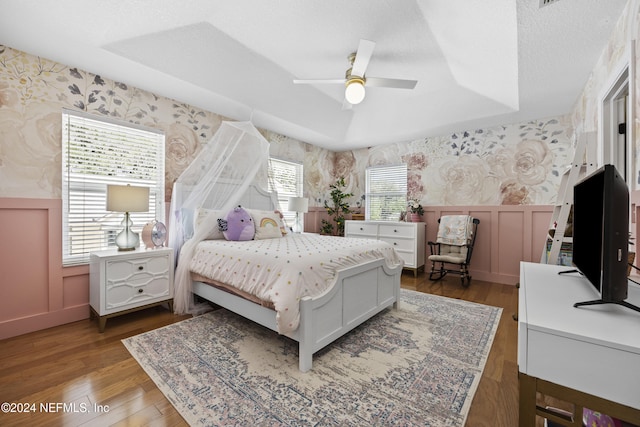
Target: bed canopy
(235, 158)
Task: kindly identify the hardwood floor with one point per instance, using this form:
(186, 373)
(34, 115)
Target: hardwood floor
(76, 366)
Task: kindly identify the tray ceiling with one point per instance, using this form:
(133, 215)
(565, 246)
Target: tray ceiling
(478, 64)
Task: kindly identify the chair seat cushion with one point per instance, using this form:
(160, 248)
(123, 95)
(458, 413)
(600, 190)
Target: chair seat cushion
(451, 253)
(452, 258)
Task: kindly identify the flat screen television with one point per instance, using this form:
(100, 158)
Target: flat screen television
(601, 234)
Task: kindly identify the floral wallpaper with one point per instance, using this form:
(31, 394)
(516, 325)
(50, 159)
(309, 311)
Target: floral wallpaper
(510, 164)
(518, 164)
(513, 164)
(33, 92)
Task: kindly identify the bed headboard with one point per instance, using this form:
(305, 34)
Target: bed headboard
(254, 197)
(257, 198)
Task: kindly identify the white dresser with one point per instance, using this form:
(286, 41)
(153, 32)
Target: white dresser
(121, 282)
(408, 238)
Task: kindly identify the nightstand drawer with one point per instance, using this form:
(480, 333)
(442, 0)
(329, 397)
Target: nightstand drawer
(130, 269)
(143, 289)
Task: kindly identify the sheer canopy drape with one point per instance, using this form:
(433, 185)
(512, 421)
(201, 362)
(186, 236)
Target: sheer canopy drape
(216, 179)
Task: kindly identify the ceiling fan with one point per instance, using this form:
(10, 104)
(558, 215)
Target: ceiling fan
(355, 80)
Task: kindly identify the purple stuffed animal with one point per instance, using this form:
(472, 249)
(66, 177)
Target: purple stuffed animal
(238, 225)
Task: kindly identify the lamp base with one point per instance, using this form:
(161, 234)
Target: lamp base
(296, 225)
(127, 240)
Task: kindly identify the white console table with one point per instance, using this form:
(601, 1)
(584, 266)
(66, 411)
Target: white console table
(588, 356)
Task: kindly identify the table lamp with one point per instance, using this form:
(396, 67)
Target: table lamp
(126, 198)
(298, 205)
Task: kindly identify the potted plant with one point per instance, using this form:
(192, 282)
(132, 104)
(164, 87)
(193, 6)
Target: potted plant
(337, 210)
(415, 210)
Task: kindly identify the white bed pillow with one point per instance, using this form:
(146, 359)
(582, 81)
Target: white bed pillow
(268, 224)
(211, 217)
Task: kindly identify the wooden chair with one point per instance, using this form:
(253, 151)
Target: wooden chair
(454, 245)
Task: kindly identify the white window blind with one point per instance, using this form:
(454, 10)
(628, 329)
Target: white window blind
(286, 179)
(386, 192)
(96, 152)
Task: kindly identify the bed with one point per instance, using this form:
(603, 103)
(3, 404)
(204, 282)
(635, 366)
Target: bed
(362, 289)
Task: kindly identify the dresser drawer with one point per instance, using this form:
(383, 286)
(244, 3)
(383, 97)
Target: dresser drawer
(397, 230)
(409, 259)
(363, 229)
(400, 244)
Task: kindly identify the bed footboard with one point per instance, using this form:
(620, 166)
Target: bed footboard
(360, 293)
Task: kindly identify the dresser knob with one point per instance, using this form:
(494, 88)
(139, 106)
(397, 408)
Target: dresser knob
(395, 231)
(140, 268)
(361, 228)
(140, 291)
(395, 243)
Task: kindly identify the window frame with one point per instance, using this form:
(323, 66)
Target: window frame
(395, 173)
(283, 197)
(86, 224)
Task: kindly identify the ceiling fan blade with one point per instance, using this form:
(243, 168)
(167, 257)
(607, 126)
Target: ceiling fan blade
(320, 81)
(393, 83)
(363, 55)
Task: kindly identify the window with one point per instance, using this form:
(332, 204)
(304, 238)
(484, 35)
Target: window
(386, 192)
(286, 179)
(96, 152)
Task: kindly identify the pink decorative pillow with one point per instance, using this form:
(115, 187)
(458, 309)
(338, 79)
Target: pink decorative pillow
(238, 225)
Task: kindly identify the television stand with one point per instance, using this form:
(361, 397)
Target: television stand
(588, 358)
(599, 301)
(569, 271)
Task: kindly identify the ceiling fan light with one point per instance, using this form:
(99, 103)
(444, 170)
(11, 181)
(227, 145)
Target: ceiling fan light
(354, 92)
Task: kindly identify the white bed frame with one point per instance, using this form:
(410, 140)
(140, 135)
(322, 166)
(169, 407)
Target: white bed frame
(361, 292)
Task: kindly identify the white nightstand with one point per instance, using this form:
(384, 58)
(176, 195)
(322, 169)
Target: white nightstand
(122, 282)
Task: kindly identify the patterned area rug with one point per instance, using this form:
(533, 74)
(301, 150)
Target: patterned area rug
(419, 365)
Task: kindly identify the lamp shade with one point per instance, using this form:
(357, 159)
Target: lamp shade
(298, 204)
(126, 198)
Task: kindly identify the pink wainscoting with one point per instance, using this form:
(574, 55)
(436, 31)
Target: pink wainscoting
(506, 236)
(313, 219)
(36, 292)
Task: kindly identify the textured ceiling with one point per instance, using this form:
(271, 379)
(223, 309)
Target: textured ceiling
(477, 63)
